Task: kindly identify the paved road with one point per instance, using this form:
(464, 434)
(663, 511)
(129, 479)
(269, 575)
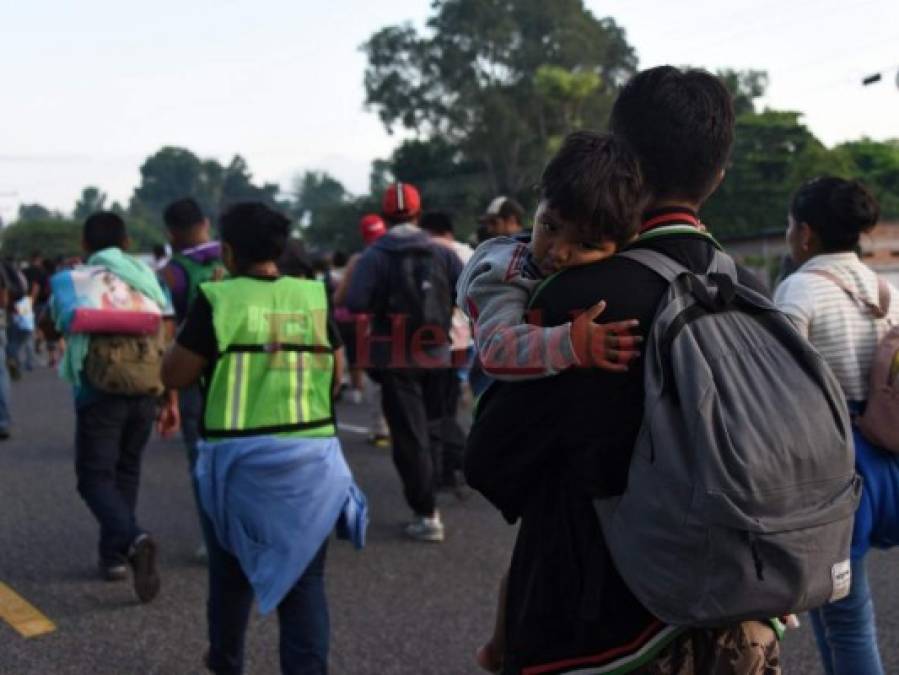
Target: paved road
(397, 607)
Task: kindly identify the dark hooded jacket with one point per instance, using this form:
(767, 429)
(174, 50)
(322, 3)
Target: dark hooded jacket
(374, 278)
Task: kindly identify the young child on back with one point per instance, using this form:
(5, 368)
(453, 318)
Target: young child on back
(591, 195)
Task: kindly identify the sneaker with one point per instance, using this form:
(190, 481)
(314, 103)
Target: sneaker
(425, 529)
(379, 440)
(142, 558)
(113, 571)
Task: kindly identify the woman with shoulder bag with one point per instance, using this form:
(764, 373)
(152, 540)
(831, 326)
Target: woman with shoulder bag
(845, 310)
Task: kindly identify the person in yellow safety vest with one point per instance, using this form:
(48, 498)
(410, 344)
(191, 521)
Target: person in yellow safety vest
(271, 476)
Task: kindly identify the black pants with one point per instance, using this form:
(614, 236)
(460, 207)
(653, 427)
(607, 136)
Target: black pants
(452, 437)
(415, 407)
(303, 620)
(110, 435)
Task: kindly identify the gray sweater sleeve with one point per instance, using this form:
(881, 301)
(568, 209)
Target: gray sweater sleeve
(494, 294)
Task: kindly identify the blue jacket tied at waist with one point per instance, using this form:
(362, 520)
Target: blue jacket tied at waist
(273, 501)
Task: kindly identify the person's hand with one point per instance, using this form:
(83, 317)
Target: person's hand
(610, 346)
(168, 419)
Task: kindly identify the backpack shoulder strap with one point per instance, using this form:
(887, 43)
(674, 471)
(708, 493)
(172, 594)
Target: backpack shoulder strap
(883, 295)
(723, 264)
(878, 311)
(659, 263)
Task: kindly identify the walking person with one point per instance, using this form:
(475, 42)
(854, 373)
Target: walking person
(844, 308)
(545, 451)
(272, 478)
(405, 281)
(115, 404)
(195, 259)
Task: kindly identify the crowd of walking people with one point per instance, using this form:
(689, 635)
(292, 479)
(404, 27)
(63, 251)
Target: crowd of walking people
(690, 462)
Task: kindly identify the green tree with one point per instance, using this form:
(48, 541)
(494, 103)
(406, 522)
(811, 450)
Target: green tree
(237, 185)
(52, 237)
(773, 153)
(877, 165)
(746, 86)
(472, 80)
(173, 173)
(316, 191)
(568, 91)
(34, 212)
(327, 214)
(92, 199)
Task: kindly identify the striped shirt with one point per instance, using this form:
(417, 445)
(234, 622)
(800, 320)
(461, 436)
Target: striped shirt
(840, 328)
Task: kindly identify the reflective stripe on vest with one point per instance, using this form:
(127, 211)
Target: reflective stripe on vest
(276, 367)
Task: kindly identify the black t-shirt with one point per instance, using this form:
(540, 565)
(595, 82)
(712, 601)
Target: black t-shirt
(197, 333)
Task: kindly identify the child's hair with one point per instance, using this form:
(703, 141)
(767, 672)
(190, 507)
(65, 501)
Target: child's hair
(104, 229)
(182, 215)
(681, 124)
(594, 182)
(837, 210)
(436, 222)
(255, 233)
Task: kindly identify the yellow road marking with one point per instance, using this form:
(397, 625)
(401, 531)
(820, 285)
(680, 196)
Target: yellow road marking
(24, 617)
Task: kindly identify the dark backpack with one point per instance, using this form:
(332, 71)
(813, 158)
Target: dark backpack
(742, 489)
(419, 289)
(196, 273)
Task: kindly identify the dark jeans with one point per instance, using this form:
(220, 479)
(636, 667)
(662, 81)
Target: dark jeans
(302, 615)
(19, 341)
(415, 406)
(452, 437)
(190, 408)
(110, 435)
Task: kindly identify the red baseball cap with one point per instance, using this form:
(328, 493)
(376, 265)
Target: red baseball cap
(372, 228)
(401, 200)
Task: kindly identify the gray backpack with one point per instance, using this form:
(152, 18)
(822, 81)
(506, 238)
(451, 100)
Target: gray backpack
(742, 488)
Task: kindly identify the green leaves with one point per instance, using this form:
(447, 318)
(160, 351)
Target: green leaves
(499, 81)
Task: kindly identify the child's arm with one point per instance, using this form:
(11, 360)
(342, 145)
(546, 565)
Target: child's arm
(494, 295)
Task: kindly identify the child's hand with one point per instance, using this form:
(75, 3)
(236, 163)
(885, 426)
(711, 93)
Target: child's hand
(609, 346)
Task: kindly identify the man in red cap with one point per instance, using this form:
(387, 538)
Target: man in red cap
(406, 282)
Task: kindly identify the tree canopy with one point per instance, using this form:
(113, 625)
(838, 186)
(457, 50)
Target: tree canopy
(498, 81)
(52, 237)
(173, 173)
(483, 96)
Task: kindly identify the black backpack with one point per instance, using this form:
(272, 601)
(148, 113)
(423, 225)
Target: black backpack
(419, 290)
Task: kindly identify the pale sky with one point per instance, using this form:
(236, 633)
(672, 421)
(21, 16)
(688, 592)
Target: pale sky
(90, 89)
